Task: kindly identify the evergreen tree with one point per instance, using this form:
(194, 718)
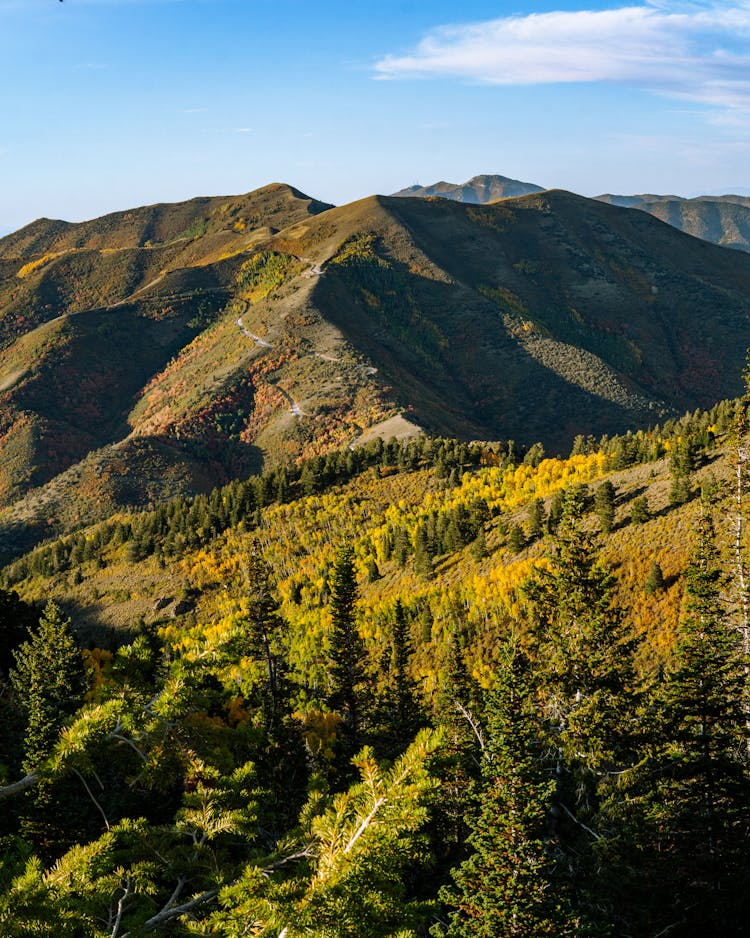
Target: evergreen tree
(536, 518)
(479, 545)
(604, 504)
(640, 512)
(347, 649)
(584, 645)
(50, 681)
(509, 885)
(698, 790)
(401, 711)
(584, 654)
(263, 637)
(654, 579)
(516, 539)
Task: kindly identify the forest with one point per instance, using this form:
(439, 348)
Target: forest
(409, 689)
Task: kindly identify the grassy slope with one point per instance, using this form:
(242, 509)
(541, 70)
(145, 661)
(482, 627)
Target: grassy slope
(478, 599)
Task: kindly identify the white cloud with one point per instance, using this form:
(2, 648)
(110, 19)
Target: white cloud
(695, 51)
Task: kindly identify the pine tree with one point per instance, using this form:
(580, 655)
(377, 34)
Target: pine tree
(263, 632)
(640, 511)
(584, 653)
(516, 539)
(347, 649)
(50, 681)
(585, 647)
(654, 579)
(604, 504)
(509, 885)
(699, 797)
(401, 711)
(536, 518)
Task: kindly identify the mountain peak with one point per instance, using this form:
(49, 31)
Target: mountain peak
(486, 187)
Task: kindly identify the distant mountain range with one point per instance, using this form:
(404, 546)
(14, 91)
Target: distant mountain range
(477, 191)
(723, 219)
(170, 348)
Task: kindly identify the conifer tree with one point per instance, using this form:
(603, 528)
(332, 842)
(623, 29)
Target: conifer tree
(604, 504)
(347, 649)
(654, 579)
(584, 645)
(640, 511)
(49, 680)
(536, 518)
(698, 790)
(263, 628)
(584, 655)
(402, 714)
(509, 885)
(280, 759)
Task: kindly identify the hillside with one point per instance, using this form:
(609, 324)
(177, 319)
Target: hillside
(447, 529)
(723, 220)
(537, 318)
(198, 702)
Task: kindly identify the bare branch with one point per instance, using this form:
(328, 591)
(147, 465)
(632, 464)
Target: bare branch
(278, 864)
(28, 781)
(472, 723)
(91, 795)
(575, 820)
(121, 907)
(166, 915)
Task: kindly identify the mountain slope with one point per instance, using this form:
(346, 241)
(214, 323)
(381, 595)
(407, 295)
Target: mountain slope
(724, 220)
(537, 318)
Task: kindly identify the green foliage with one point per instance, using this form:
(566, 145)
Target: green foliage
(604, 505)
(654, 580)
(348, 655)
(510, 884)
(50, 681)
(694, 788)
(350, 860)
(639, 510)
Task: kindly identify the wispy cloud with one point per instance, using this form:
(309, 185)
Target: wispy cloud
(694, 51)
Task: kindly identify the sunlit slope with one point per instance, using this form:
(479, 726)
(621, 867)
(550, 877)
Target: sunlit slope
(537, 318)
(453, 548)
(533, 318)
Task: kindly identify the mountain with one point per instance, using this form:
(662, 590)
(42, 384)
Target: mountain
(477, 191)
(722, 219)
(172, 362)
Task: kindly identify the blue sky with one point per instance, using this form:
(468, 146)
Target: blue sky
(113, 103)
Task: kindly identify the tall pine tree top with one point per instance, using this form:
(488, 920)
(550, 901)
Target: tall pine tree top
(347, 649)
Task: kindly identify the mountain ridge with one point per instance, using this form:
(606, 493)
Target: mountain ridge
(534, 318)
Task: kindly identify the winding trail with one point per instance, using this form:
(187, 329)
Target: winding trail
(251, 335)
(314, 270)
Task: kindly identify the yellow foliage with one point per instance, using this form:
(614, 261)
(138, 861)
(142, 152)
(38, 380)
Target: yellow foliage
(35, 265)
(319, 730)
